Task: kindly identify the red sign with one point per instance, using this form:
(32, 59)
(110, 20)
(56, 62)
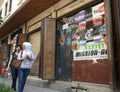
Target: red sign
(82, 26)
(97, 21)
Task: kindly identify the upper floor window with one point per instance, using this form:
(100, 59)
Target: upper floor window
(6, 5)
(10, 5)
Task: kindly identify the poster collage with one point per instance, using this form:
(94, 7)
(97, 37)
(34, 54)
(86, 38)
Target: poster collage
(88, 33)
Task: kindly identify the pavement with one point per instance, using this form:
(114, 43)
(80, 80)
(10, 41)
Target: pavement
(28, 88)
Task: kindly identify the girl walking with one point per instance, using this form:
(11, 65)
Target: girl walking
(27, 58)
(14, 72)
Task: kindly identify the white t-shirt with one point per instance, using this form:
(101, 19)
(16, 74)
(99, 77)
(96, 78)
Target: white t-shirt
(26, 62)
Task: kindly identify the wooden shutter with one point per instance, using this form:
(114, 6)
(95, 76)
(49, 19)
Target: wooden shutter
(22, 38)
(48, 48)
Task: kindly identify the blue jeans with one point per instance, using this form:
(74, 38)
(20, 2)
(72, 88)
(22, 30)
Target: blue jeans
(23, 73)
(14, 73)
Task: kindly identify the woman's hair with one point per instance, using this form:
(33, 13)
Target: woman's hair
(18, 46)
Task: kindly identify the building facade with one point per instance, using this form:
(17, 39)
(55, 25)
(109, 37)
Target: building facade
(74, 41)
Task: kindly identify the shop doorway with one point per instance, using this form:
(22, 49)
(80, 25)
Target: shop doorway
(64, 53)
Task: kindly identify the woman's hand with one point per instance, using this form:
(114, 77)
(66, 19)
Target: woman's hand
(7, 68)
(26, 57)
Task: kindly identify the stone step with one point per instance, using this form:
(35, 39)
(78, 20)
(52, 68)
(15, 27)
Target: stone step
(66, 86)
(37, 82)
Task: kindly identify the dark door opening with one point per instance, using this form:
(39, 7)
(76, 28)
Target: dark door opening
(64, 57)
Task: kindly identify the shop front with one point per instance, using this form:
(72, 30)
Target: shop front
(71, 40)
(82, 45)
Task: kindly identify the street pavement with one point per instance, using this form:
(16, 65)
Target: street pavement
(28, 88)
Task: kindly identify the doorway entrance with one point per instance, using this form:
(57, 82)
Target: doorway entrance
(64, 53)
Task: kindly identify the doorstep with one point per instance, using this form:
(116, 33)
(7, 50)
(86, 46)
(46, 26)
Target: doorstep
(91, 87)
(67, 86)
(35, 81)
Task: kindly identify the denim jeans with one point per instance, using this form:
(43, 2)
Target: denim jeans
(14, 73)
(23, 73)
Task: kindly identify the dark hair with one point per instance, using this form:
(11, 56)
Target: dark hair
(18, 46)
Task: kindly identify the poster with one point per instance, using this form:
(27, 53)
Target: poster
(98, 10)
(88, 41)
(80, 17)
(91, 50)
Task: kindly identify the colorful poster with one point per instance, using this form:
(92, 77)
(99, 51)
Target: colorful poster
(82, 26)
(88, 42)
(98, 10)
(80, 17)
(91, 44)
(97, 21)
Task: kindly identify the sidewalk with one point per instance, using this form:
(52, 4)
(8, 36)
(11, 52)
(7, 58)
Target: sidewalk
(28, 88)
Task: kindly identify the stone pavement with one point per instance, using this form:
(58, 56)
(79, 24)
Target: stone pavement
(37, 85)
(28, 88)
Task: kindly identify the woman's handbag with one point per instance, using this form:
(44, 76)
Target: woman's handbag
(17, 63)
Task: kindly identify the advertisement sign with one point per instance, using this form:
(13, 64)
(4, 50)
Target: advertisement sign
(97, 21)
(79, 17)
(82, 26)
(65, 26)
(91, 51)
(98, 10)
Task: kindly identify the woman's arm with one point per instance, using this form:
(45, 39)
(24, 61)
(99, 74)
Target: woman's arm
(30, 57)
(11, 56)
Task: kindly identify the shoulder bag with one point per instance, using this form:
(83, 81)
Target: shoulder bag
(17, 63)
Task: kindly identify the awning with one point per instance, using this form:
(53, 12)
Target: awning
(27, 11)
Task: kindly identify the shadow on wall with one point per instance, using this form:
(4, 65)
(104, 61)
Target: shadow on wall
(35, 68)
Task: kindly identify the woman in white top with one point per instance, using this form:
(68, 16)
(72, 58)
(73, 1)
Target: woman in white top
(27, 58)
